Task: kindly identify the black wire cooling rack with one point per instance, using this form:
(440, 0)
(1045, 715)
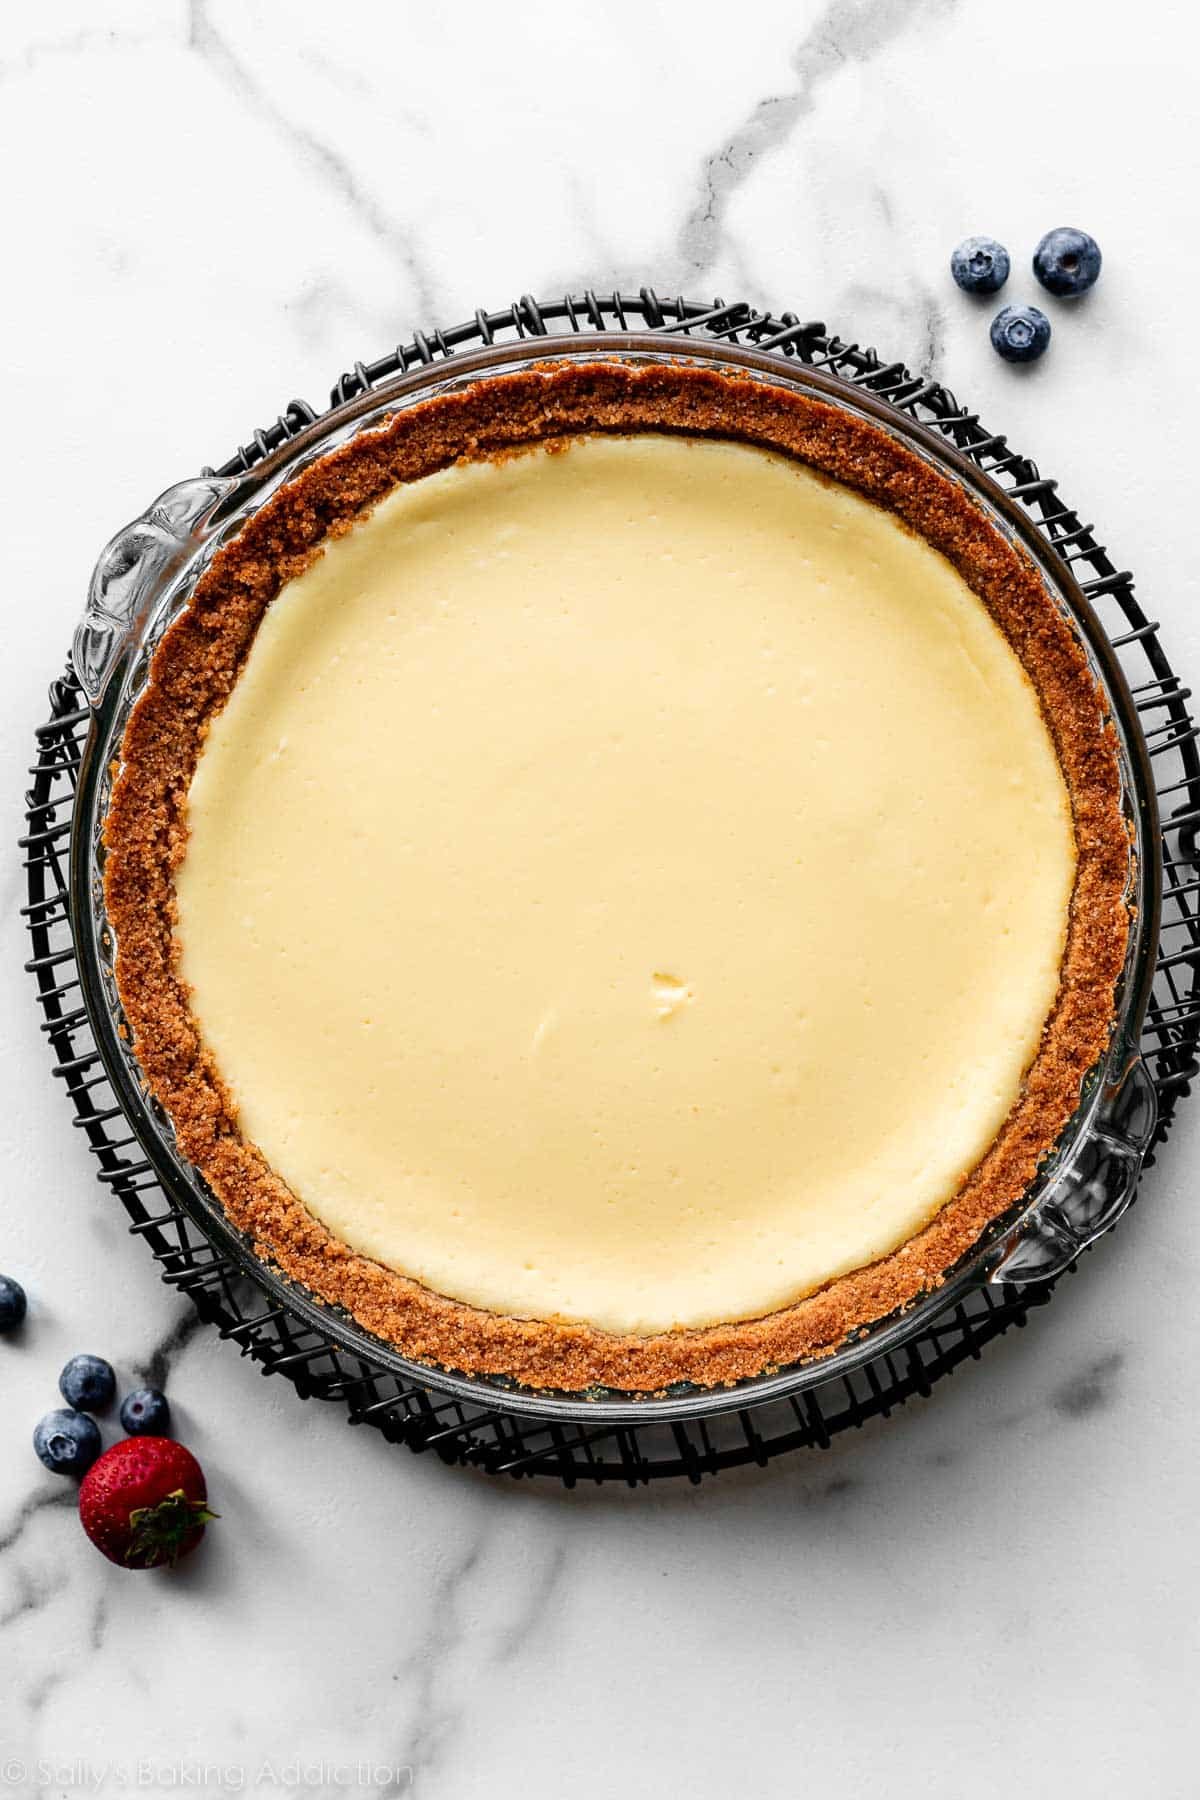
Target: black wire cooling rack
(421, 1417)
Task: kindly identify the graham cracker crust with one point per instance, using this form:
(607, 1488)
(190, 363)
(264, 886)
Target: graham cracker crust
(198, 662)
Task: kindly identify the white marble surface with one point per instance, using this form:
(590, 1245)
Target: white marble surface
(208, 210)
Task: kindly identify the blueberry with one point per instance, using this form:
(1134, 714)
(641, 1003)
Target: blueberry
(88, 1382)
(1020, 334)
(67, 1442)
(12, 1303)
(979, 265)
(146, 1410)
(1067, 262)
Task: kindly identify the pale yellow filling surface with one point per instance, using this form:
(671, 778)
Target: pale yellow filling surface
(626, 885)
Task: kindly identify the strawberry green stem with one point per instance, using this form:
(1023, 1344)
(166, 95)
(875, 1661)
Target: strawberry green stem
(157, 1533)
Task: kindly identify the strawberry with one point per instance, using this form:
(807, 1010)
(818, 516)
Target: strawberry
(144, 1502)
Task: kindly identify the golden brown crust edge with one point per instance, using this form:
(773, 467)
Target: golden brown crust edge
(199, 660)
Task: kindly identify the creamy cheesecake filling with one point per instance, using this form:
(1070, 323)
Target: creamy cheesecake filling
(626, 885)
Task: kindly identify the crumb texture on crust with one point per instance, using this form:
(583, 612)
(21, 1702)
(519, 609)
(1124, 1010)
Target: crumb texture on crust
(198, 662)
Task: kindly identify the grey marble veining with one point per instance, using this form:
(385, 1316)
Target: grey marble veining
(322, 160)
(218, 205)
(841, 33)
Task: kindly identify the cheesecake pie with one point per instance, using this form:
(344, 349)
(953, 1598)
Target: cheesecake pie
(618, 876)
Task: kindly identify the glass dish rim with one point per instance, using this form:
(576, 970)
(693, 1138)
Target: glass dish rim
(236, 498)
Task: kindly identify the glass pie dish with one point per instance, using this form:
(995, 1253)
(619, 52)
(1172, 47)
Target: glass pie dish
(146, 575)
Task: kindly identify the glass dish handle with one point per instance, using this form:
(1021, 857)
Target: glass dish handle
(1093, 1187)
(135, 568)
